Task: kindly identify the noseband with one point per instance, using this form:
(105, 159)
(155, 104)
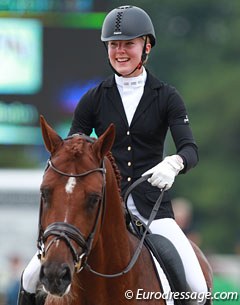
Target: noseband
(67, 232)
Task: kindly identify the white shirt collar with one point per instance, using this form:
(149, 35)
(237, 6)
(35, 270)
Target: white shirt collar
(132, 82)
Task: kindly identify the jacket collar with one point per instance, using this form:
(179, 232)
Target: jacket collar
(148, 97)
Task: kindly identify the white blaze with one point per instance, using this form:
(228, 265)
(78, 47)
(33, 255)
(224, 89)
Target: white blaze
(70, 185)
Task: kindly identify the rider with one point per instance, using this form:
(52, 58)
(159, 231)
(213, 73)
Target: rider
(142, 108)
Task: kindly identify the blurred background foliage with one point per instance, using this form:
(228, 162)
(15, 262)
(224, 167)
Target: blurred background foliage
(198, 52)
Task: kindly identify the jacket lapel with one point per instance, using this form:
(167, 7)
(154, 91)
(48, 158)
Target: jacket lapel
(149, 95)
(114, 97)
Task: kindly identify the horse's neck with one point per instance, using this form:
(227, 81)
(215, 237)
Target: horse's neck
(114, 239)
(114, 227)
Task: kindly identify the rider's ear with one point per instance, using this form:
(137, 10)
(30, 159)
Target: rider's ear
(104, 143)
(51, 139)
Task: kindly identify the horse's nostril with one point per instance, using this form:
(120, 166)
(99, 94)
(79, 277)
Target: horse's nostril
(42, 273)
(65, 274)
(43, 278)
(55, 278)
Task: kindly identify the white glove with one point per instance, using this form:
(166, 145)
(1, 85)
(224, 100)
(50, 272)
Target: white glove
(164, 173)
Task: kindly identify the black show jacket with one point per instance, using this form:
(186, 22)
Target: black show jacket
(140, 146)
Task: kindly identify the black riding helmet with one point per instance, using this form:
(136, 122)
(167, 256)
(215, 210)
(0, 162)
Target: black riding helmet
(125, 23)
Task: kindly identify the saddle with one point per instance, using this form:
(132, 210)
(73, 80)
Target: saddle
(166, 254)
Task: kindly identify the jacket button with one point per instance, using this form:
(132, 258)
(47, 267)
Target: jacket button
(129, 179)
(129, 148)
(128, 133)
(129, 163)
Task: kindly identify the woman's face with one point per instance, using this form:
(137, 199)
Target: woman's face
(125, 55)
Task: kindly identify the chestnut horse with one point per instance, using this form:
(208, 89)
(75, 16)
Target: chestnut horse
(84, 242)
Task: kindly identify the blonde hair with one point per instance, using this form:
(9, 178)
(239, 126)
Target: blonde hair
(147, 42)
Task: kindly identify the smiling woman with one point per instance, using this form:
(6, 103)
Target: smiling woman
(126, 55)
(130, 35)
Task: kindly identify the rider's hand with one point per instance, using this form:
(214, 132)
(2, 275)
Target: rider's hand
(164, 173)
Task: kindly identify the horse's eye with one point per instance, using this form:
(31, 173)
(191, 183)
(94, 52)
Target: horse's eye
(92, 201)
(45, 194)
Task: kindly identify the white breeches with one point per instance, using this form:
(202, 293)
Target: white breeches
(168, 228)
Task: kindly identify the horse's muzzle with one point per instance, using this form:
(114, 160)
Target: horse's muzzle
(56, 278)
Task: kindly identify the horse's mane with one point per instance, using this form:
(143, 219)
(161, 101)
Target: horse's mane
(115, 169)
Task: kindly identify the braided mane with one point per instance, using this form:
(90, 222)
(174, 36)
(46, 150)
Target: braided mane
(115, 169)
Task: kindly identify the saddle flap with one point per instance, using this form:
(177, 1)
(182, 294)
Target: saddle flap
(169, 260)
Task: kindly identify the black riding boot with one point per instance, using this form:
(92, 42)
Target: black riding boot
(26, 298)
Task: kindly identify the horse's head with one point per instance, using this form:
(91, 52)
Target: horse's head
(72, 203)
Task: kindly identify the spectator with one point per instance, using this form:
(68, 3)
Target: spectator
(183, 213)
(13, 288)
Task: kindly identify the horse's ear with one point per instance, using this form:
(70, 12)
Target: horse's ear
(104, 143)
(51, 139)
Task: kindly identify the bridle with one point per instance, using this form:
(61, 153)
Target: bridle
(67, 232)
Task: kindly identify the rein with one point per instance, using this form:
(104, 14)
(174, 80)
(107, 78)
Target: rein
(140, 245)
(69, 233)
